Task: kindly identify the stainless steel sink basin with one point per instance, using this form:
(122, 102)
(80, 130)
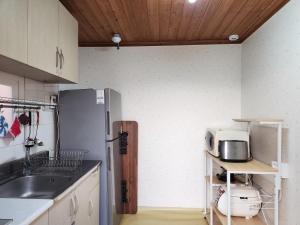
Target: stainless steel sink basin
(5, 221)
(36, 186)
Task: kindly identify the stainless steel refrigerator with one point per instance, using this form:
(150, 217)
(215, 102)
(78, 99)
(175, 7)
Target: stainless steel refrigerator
(88, 120)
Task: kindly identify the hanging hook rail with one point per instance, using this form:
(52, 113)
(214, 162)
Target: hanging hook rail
(21, 103)
(19, 107)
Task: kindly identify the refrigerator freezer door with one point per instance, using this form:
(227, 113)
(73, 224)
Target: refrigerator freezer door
(113, 118)
(113, 112)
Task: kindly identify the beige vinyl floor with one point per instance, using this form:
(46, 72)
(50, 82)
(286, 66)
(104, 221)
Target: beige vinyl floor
(165, 217)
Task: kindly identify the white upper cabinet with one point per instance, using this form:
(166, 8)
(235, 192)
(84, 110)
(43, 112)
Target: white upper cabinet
(43, 35)
(68, 44)
(13, 29)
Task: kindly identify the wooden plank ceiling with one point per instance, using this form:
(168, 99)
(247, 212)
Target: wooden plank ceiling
(169, 22)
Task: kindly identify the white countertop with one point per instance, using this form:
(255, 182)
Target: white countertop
(23, 211)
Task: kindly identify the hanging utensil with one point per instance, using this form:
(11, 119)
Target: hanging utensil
(36, 140)
(3, 126)
(29, 124)
(15, 129)
(24, 119)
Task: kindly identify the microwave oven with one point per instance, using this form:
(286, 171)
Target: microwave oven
(215, 137)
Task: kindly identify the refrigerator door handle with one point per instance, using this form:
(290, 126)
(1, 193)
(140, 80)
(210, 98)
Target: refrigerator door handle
(108, 122)
(109, 159)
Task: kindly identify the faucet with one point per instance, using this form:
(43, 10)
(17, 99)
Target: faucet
(29, 143)
(27, 162)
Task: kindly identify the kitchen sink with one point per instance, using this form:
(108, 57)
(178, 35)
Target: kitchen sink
(5, 221)
(35, 186)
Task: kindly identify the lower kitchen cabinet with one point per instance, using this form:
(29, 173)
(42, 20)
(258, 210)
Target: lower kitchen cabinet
(79, 207)
(87, 198)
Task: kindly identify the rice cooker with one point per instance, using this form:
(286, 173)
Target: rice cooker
(245, 201)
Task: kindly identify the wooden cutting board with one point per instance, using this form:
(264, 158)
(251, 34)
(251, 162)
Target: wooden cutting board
(130, 167)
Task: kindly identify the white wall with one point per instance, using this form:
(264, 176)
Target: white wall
(174, 93)
(271, 88)
(11, 149)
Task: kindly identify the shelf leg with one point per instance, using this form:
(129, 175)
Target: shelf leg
(276, 203)
(228, 198)
(278, 175)
(211, 222)
(206, 192)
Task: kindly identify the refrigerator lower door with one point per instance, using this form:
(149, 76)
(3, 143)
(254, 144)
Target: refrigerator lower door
(114, 177)
(113, 118)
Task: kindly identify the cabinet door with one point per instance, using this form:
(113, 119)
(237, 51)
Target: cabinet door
(94, 206)
(43, 35)
(82, 198)
(68, 43)
(63, 211)
(42, 220)
(13, 29)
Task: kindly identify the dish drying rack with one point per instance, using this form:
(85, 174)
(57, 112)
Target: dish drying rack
(65, 161)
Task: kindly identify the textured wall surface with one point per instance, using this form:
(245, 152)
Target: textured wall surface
(271, 89)
(174, 93)
(31, 90)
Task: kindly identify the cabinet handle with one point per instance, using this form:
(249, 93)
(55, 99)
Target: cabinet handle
(63, 59)
(91, 208)
(72, 207)
(76, 204)
(60, 60)
(57, 56)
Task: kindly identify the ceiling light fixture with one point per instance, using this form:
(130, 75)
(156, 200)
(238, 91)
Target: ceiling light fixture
(192, 1)
(234, 37)
(116, 38)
